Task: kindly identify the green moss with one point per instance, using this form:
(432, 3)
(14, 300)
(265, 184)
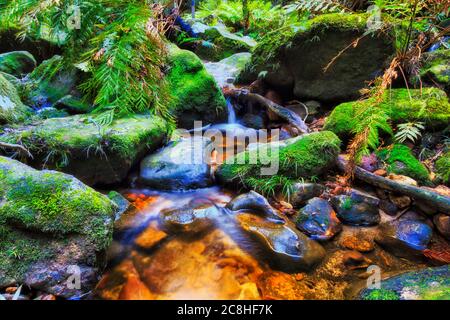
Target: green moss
(437, 67)
(12, 110)
(381, 294)
(192, 87)
(59, 139)
(53, 202)
(274, 43)
(442, 166)
(429, 105)
(17, 63)
(309, 156)
(400, 160)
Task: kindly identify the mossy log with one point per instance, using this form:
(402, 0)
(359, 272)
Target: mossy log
(434, 199)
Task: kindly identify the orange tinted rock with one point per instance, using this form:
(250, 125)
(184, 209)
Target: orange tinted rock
(150, 237)
(356, 243)
(276, 285)
(134, 289)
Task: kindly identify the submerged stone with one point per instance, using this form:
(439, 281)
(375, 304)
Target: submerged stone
(51, 226)
(189, 221)
(286, 248)
(425, 284)
(318, 220)
(357, 208)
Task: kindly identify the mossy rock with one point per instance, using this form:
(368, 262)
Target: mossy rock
(293, 61)
(442, 166)
(196, 96)
(95, 155)
(48, 222)
(219, 43)
(12, 110)
(436, 69)
(308, 156)
(425, 284)
(51, 81)
(400, 160)
(17, 63)
(73, 105)
(429, 105)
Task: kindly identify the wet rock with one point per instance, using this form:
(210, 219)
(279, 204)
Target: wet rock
(56, 224)
(318, 220)
(285, 248)
(77, 147)
(122, 204)
(425, 284)
(404, 238)
(400, 201)
(442, 223)
(357, 208)
(357, 243)
(388, 207)
(226, 70)
(179, 166)
(354, 258)
(150, 237)
(189, 220)
(254, 121)
(302, 192)
(219, 42)
(196, 95)
(253, 202)
(276, 285)
(17, 63)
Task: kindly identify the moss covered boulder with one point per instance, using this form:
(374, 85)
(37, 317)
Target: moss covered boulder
(305, 157)
(400, 160)
(52, 226)
(435, 69)
(12, 110)
(52, 82)
(196, 96)
(293, 61)
(426, 284)
(442, 167)
(219, 43)
(94, 155)
(429, 105)
(17, 63)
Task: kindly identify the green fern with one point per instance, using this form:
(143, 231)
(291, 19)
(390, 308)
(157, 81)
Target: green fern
(114, 43)
(409, 131)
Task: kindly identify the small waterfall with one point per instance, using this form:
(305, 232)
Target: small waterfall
(231, 112)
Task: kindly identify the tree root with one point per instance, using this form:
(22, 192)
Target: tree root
(17, 147)
(442, 203)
